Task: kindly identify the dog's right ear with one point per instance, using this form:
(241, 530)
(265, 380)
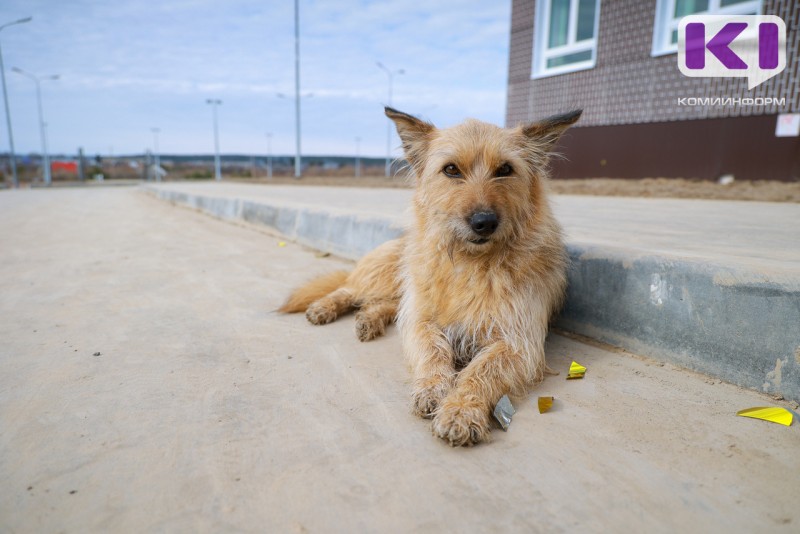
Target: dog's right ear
(547, 132)
(414, 133)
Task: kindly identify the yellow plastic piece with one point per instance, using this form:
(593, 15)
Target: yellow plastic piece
(545, 403)
(773, 414)
(576, 370)
(281, 243)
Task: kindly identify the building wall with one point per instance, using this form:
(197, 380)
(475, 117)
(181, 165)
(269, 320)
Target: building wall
(627, 85)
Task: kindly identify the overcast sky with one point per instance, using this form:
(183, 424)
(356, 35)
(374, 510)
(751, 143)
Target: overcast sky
(127, 66)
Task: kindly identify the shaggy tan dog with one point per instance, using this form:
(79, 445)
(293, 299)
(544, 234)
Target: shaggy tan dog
(475, 279)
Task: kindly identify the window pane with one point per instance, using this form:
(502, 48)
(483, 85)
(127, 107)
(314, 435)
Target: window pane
(687, 7)
(569, 59)
(586, 9)
(559, 23)
(724, 3)
(674, 38)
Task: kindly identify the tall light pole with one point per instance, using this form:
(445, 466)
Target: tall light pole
(297, 163)
(157, 166)
(45, 156)
(217, 169)
(269, 155)
(391, 74)
(358, 157)
(5, 99)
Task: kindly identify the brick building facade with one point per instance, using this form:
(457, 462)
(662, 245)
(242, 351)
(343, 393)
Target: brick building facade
(633, 124)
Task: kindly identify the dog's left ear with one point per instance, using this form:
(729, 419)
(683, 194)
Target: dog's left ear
(414, 133)
(548, 131)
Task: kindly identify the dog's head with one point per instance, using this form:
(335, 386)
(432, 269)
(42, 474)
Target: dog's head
(479, 186)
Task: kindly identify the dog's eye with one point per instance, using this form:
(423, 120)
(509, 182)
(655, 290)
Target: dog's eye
(451, 171)
(504, 170)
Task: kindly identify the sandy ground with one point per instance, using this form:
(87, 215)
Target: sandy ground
(769, 191)
(148, 386)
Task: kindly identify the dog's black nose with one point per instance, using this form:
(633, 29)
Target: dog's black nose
(484, 223)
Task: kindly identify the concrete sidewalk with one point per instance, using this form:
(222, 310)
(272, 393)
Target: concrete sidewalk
(147, 386)
(713, 286)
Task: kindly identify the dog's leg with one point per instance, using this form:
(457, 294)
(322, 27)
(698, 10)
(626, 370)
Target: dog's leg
(329, 307)
(372, 318)
(463, 417)
(432, 359)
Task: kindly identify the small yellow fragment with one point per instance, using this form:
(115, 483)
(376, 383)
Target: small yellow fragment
(281, 243)
(576, 370)
(772, 414)
(545, 403)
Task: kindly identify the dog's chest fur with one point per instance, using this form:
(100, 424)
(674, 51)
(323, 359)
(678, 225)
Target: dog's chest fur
(469, 298)
(465, 343)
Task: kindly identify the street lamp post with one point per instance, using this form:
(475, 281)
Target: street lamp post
(358, 157)
(217, 170)
(297, 165)
(157, 165)
(8, 113)
(269, 155)
(391, 74)
(45, 156)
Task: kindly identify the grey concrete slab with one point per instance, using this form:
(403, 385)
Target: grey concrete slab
(710, 285)
(349, 223)
(206, 412)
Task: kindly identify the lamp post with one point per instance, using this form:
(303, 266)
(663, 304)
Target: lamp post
(358, 157)
(37, 80)
(5, 100)
(157, 166)
(269, 155)
(297, 163)
(390, 74)
(217, 170)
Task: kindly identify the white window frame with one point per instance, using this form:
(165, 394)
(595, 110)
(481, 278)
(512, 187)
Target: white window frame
(665, 24)
(541, 53)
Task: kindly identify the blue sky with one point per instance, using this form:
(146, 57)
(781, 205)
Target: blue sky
(129, 66)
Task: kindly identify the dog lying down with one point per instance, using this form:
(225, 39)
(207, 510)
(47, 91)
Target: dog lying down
(474, 280)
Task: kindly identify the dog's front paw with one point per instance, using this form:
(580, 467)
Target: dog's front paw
(320, 313)
(368, 328)
(428, 395)
(461, 422)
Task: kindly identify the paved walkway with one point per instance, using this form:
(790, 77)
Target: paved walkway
(752, 235)
(204, 411)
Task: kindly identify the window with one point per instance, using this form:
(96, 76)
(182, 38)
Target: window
(565, 36)
(670, 12)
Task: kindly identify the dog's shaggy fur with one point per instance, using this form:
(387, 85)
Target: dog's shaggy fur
(475, 279)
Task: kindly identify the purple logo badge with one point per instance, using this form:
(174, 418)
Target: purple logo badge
(751, 46)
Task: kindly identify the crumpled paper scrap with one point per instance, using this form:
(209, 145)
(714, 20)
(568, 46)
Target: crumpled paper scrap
(576, 370)
(545, 403)
(773, 414)
(503, 412)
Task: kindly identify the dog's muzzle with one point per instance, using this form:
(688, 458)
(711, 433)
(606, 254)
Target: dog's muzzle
(484, 223)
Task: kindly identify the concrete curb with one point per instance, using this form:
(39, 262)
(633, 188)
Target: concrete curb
(713, 319)
(338, 232)
(731, 324)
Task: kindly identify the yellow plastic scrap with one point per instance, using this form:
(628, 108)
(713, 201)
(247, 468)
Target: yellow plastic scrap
(576, 370)
(281, 243)
(545, 403)
(772, 414)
